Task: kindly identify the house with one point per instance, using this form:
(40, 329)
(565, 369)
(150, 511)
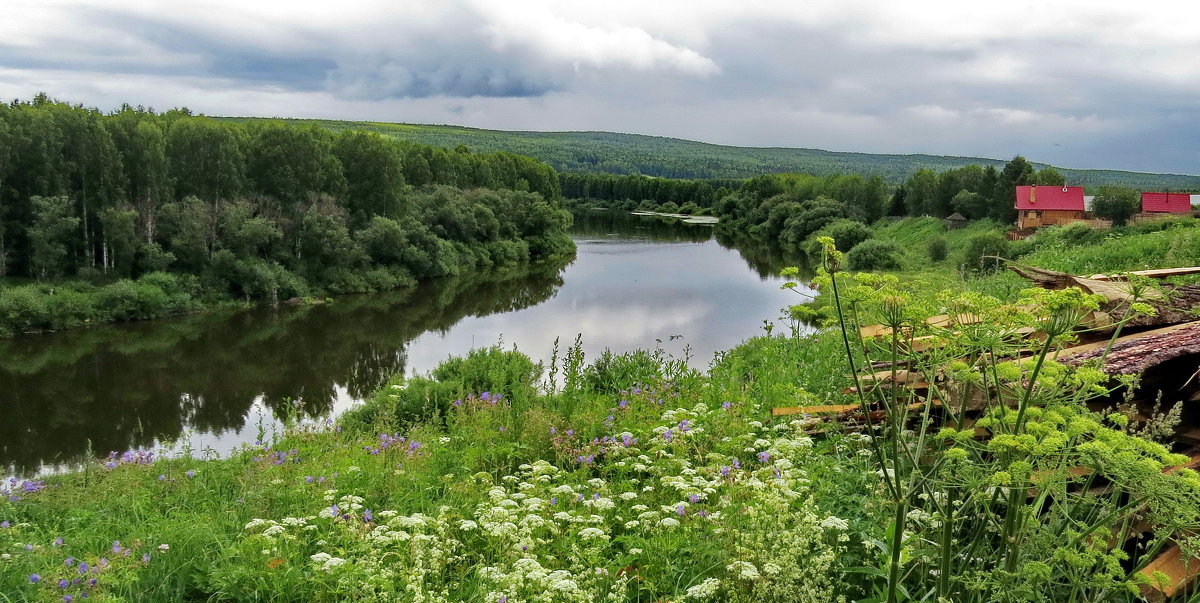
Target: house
(1166, 203)
(1048, 205)
(955, 221)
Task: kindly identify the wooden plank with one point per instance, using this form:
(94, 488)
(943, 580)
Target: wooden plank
(1181, 571)
(824, 409)
(1157, 273)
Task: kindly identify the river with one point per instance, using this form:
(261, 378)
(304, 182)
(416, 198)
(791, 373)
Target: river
(210, 382)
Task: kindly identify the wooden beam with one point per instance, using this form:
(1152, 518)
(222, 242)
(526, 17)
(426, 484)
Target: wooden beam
(1158, 273)
(1180, 572)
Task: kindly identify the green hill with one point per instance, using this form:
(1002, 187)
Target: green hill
(614, 153)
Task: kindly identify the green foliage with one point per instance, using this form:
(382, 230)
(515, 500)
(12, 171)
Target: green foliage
(653, 156)
(983, 251)
(845, 234)
(937, 249)
(261, 211)
(1116, 203)
(874, 254)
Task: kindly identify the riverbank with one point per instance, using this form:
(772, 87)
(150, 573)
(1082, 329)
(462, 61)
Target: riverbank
(632, 477)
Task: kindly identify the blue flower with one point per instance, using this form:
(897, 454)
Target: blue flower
(35, 578)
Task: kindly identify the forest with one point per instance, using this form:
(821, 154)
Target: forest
(135, 214)
(662, 157)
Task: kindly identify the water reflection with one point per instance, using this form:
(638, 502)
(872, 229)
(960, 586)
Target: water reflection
(635, 280)
(124, 386)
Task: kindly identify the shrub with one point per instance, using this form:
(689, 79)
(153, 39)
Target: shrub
(130, 300)
(982, 251)
(22, 309)
(69, 308)
(490, 369)
(611, 373)
(846, 235)
(874, 254)
(937, 249)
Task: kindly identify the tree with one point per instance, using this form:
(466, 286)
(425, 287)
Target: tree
(1017, 172)
(52, 231)
(972, 205)
(1049, 176)
(374, 175)
(1116, 203)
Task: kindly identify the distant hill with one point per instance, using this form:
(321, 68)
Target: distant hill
(613, 153)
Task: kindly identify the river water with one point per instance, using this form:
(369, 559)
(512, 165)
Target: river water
(210, 382)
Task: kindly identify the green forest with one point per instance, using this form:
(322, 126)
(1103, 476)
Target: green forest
(616, 153)
(134, 214)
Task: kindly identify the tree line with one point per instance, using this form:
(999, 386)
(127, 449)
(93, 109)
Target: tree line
(698, 194)
(257, 211)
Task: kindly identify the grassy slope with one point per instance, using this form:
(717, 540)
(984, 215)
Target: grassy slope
(612, 152)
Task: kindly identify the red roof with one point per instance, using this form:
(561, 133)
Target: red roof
(1069, 198)
(1173, 203)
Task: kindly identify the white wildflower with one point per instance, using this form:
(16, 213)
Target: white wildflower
(704, 590)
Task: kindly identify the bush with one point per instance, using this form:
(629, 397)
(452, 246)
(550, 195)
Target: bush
(937, 249)
(22, 309)
(846, 235)
(874, 254)
(69, 308)
(982, 251)
(401, 403)
(611, 373)
(490, 369)
(130, 300)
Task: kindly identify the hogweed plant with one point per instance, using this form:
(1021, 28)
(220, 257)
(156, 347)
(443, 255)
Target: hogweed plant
(1041, 508)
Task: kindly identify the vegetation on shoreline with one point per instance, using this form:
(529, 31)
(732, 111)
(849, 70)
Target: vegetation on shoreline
(633, 477)
(136, 214)
(661, 157)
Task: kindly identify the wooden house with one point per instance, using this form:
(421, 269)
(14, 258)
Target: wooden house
(955, 221)
(1166, 203)
(1048, 205)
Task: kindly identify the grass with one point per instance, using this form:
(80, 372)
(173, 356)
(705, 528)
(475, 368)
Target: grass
(633, 477)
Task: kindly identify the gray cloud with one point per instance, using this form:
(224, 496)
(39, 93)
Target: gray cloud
(1082, 84)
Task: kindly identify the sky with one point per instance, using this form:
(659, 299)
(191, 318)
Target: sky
(1075, 83)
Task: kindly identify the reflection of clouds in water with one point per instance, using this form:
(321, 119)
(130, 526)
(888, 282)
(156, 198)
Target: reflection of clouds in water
(617, 328)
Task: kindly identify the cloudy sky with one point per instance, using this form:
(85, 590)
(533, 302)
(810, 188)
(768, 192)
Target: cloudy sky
(1077, 83)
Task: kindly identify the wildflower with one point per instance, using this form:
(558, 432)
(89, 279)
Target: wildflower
(116, 547)
(724, 470)
(162, 477)
(145, 557)
(680, 510)
(684, 425)
(368, 516)
(69, 561)
(623, 404)
(668, 522)
(5, 524)
(667, 435)
(191, 473)
(705, 589)
(83, 567)
(63, 583)
(308, 479)
(726, 405)
(458, 403)
(764, 457)
(164, 547)
(68, 598)
(35, 578)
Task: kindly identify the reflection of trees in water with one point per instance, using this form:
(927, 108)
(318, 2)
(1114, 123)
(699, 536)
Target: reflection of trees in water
(764, 258)
(121, 386)
(603, 222)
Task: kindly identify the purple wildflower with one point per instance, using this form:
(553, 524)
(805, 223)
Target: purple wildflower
(162, 477)
(680, 510)
(83, 567)
(553, 500)
(191, 473)
(63, 583)
(145, 557)
(726, 405)
(69, 561)
(724, 470)
(667, 435)
(695, 498)
(35, 578)
(764, 456)
(5, 524)
(552, 430)
(308, 479)
(111, 465)
(116, 547)
(485, 396)
(623, 404)
(368, 516)
(102, 563)
(570, 433)
(68, 598)
(684, 425)
(737, 464)
(702, 513)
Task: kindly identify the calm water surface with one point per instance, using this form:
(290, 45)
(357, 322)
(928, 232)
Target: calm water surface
(213, 381)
